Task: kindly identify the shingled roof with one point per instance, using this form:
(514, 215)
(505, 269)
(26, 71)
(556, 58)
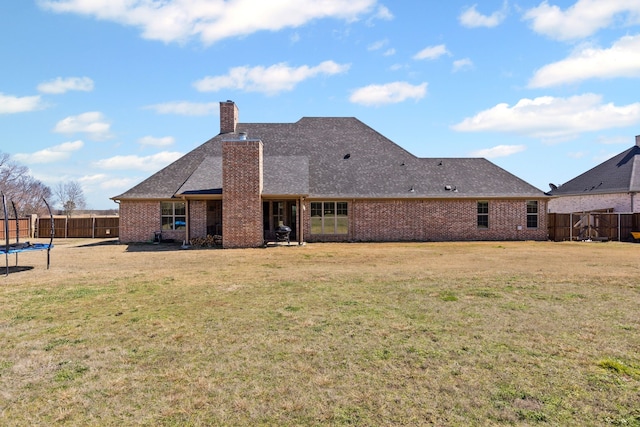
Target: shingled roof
(334, 157)
(619, 174)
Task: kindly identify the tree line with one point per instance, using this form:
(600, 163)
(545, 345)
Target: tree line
(27, 192)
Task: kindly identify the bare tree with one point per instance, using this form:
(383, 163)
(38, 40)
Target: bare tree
(21, 188)
(70, 196)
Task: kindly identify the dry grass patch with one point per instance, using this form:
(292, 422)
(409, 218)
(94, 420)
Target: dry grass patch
(328, 334)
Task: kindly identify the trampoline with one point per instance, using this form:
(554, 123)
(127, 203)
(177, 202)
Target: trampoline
(17, 247)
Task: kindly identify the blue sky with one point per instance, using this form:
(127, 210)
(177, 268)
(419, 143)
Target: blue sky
(106, 92)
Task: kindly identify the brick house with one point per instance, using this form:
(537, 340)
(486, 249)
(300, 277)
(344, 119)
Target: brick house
(330, 180)
(611, 186)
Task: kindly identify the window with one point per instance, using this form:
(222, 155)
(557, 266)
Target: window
(483, 214)
(278, 213)
(174, 215)
(329, 218)
(532, 214)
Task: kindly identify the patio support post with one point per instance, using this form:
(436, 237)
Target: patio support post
(300, 211)
(187, 221)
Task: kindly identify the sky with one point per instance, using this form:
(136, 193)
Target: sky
(107, 92)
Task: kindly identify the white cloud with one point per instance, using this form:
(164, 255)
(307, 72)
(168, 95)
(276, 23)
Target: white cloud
(471, 18)
(118, 183)
(621, 60)
(384, 13)
(611, 140)
(577, 154)
(269, 80)
(582, 19)
(144, 163)
(12, 104)
(378, 44)
(462, 64)
(381, 44)
(498, 151)
(92, 179)
(432, 52)
(185, 108)
(92, 123)
(50, 155)
(390, 93)
(157, 142)
(211, 21)
(60, 85)
(552, 118)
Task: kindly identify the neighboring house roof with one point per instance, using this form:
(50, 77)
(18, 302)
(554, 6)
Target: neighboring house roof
(331, 157)
(619, 174)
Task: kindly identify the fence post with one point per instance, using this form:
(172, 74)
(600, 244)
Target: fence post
(571, 227)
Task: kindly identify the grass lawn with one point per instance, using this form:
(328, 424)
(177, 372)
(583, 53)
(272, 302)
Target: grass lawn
(482, 333)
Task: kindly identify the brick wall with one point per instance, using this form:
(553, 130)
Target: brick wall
(619, 202)
(241, 198)
(197, 218)
(138, 221)
(435, 220)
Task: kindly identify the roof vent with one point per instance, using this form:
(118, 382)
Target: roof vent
(346, 156)
(242, 136)
(638, 140)
(412, 190)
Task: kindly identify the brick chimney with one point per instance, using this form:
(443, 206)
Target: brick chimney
(228, 117)
(242, 183)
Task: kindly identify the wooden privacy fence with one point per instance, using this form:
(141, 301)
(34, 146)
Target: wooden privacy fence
(93, 227)
(593, 226)
(24, 225)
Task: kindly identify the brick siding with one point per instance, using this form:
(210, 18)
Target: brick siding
(139, 220)
(197, 218)
(434, 220)
(369, 220)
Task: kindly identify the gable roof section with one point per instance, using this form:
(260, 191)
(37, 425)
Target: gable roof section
(334, 157)
(206, 179)
(619, 174)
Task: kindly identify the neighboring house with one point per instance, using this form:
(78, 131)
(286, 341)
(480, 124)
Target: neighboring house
(328, 179)
(611, 186)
